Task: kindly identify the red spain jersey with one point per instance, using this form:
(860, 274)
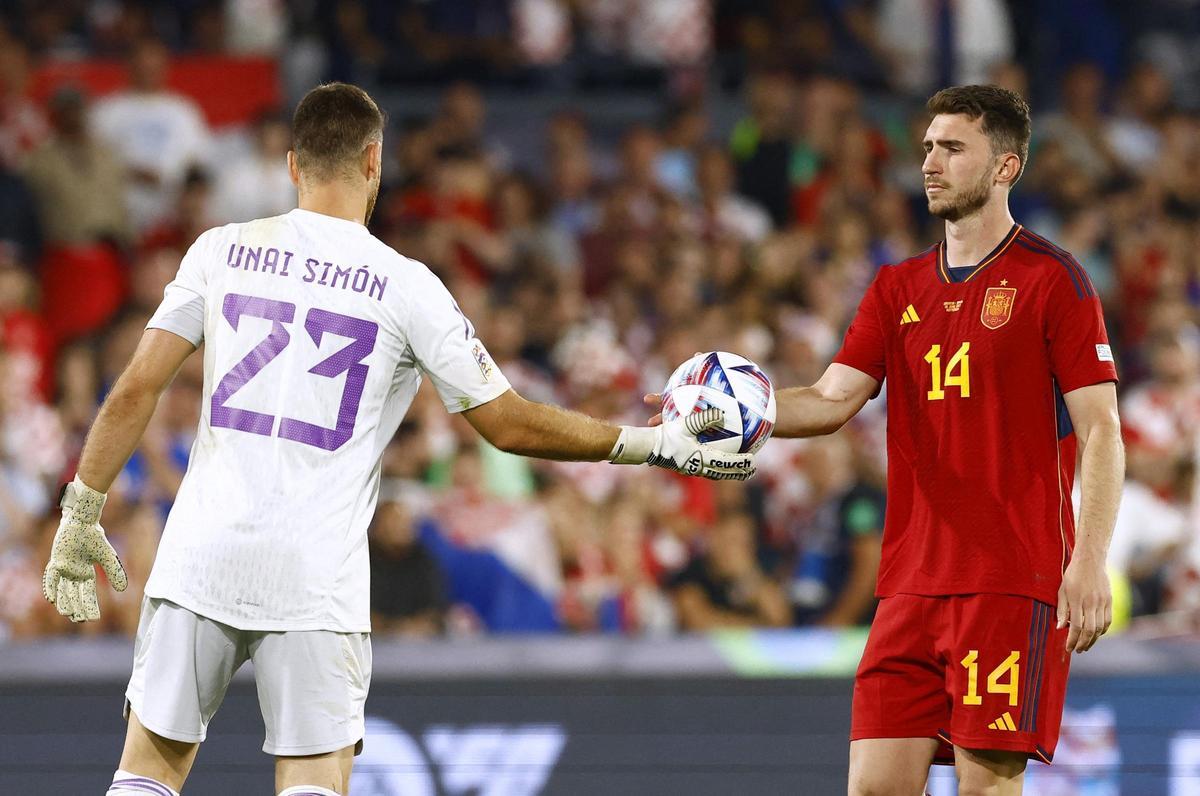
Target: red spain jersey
(981, 453)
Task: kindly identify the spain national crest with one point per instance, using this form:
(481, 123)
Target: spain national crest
(997, 306)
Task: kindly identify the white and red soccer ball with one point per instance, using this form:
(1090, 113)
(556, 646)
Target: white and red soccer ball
(728, 382)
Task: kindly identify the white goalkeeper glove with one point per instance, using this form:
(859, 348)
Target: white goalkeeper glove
(674, 446)
(70, 578)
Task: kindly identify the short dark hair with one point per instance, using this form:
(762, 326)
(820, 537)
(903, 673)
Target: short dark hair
(331, 127)
(1005, 116)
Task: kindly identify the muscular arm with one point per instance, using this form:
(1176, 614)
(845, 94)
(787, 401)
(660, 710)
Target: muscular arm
(129, 406)
(824, 407)
(526, 428)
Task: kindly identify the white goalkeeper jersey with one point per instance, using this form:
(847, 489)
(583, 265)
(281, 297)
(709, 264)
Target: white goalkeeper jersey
(316, 335)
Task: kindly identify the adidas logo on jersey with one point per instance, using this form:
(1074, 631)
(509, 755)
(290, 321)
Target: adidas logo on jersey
(1004, 723)
(909, 316)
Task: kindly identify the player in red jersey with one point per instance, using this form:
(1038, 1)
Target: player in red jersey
(998, 367)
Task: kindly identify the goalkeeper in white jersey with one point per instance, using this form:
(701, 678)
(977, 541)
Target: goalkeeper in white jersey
(316, 337)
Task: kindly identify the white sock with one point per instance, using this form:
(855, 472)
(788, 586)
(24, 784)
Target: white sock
(127, 784)
(308, 790)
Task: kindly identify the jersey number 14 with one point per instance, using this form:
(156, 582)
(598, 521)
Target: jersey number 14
(957, 372)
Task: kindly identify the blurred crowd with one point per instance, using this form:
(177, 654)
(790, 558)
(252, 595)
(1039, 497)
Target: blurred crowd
(591, 268)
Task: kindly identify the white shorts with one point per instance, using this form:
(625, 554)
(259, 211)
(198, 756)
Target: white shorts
(312, 684)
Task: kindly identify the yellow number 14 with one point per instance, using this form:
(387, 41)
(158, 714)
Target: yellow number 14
(994, 686)
(958, 372)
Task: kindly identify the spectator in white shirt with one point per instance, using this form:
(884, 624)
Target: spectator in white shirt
(156, 132)
(981, 31)
(1135, 135)
(257, 185)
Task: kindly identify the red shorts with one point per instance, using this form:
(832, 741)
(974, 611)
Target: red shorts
(980, 671)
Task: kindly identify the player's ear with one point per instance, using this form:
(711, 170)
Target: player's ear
(1009, 169)
(293, 169)
(373, 160)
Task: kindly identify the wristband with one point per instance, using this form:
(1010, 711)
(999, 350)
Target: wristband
(634, 445)
(83, 502)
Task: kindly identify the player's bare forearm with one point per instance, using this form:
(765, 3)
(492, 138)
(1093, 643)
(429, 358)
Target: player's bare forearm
(526, 428)
(551, 432)
(1093, 413)
(115, 434)
(824, 407)
(129, 406)
(1102, 473)
(805, 412)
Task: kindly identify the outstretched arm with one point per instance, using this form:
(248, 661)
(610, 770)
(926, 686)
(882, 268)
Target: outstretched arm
(527, 428)
(824, 407)
(543, 431)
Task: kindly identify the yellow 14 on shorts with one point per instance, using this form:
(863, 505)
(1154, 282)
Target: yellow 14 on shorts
(1009, 667)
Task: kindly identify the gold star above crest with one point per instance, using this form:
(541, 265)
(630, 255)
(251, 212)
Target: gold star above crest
(1003, 282)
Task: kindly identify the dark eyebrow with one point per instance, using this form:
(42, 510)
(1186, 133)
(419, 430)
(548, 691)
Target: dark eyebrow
(946, 142)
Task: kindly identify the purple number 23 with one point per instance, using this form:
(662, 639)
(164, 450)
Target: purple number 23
(348, 360)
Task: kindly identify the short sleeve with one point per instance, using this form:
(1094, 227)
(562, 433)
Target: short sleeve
(863, 347)
(182, 309)
(1080, 354)
(444, 344)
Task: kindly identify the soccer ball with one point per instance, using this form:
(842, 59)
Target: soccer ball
(729, 382)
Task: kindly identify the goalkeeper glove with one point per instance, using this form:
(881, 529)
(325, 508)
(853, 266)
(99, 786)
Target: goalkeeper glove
(70, 578)
(674, 446)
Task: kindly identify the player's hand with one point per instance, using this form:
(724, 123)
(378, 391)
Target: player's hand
(1084, 604)
(654, 401)
(677, 448)
(674, 446)
(70, 578)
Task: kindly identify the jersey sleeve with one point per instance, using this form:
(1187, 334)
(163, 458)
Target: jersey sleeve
(1080, 354)
(444, 345)
(182, 309)
(863, 347)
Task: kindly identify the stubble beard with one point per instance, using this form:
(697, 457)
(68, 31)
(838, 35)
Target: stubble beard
(970, 201)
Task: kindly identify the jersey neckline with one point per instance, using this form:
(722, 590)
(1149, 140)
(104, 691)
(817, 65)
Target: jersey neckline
(943, 273)
(340, 222)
